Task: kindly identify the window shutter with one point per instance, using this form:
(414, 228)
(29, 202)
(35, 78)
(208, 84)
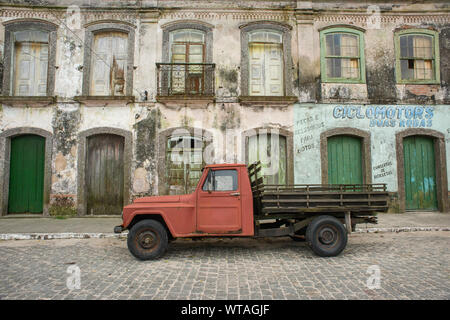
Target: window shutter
(99, 80)
(24, 70)
(256, 70)
(41, 70)
(109, 64)
(274, 63)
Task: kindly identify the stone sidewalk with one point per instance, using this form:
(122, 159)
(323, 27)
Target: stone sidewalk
(102, 227)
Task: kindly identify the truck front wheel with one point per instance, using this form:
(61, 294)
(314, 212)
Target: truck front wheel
(147, 240)
(326, 236)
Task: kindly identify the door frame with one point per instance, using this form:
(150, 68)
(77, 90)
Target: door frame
(81, 167)
(5, 154)
(366, 159)
(440, 165)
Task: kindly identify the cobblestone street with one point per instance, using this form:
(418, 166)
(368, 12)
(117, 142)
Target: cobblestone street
(413, 266)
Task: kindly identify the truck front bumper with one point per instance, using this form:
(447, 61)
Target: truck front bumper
(118, 229)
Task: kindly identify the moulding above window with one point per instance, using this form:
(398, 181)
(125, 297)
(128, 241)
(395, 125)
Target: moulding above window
(92, 23)
(409, 28)
(347, 26)
(259, 24)
(28, 101)
(187, 22)
(279, 101)
(26, 20)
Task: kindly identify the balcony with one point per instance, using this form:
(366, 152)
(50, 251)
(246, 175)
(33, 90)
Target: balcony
(188, 82)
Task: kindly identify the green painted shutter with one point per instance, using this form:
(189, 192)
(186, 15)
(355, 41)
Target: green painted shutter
(344, 160)
(26, 182)
(420, 173)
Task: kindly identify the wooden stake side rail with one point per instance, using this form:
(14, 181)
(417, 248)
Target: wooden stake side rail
(316, 198)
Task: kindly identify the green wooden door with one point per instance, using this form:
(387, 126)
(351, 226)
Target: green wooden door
(26, 177)
(104, 174)
(420, 173)
(344, 160)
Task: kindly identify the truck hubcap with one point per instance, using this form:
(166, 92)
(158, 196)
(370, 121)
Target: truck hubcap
(148, 239)
(327, 235)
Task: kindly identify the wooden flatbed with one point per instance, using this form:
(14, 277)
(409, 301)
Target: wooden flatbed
(352, 203)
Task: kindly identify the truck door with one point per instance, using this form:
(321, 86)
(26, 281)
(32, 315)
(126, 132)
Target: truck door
(219, 203)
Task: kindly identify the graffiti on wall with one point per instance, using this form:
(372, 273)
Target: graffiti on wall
(388, 116)
(306, 127)
(382, 170)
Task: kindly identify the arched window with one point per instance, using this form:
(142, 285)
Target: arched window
(342, 55)
(108, 59)
(265, 63)
(184, 162)
(187, 46)
(270, 150)
(186, 68)
(417, 56)
(30, 48)
(109, 64)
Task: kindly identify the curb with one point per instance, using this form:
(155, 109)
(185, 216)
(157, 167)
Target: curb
(401, 229)
(55, 236)
(85, 235)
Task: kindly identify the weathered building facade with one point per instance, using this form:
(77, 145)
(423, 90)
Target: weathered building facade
(105, 101)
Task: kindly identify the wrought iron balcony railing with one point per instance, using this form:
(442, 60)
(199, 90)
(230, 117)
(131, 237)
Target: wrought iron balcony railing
(185, 79)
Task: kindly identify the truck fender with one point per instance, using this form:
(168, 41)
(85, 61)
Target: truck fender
(155, 215)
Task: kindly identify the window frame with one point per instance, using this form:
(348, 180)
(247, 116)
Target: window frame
(245, 136)
(194, 25)
(163, 136)
(100, 27)
(323, 56)
(435, 59)
(9, 51)
(212, 172)
(285, 31)
(169, 162)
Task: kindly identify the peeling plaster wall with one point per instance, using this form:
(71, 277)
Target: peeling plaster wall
(226, 118)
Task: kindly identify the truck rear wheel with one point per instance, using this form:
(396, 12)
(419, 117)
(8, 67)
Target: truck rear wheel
(147, 240)
(326, 236)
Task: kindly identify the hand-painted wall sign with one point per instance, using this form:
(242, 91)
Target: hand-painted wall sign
(388, 116)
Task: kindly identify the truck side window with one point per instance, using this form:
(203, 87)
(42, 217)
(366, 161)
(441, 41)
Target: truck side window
(221, 180)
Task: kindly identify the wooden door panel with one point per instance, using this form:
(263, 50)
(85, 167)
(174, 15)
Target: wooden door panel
(104, 174)
(420, 173)
(26, 183)
(344, 160)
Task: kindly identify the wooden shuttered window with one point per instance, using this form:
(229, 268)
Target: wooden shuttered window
(30, 63)
(109, 64)
(266, 64)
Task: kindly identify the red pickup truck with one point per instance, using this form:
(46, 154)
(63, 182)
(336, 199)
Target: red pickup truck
(231, 200)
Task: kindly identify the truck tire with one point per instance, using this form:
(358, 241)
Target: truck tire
(147, 240)
(326, 236)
